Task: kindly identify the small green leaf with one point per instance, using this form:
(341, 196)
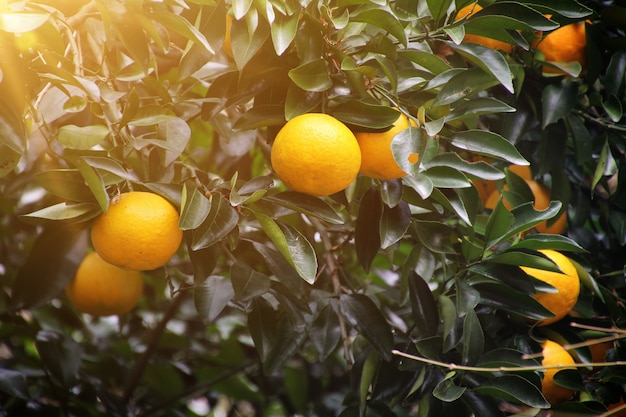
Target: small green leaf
(312, 76)
(85, 137)
(194, 208)
(447, 390)
(211, 296)
(514, 388)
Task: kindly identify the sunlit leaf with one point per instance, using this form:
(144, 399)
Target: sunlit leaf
(82, 137)
(194, 208)
(312, 76)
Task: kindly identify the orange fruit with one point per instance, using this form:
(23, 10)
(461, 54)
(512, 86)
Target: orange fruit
(102, 289)
(487, 187)
(555, 355)
(541, 193)
(566, 283)
(565, 44)
(599, 351)
(377, 160)
(468, 11)
(316, 154)
(138, 232)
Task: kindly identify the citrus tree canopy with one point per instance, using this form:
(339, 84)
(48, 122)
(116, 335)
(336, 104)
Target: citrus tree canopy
(315, 208)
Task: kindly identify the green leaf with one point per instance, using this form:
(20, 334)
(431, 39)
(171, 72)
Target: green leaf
(405, 144)
(283, 31)
(312, 76)
(177, 133)
(558, 101)
(300, 101)
(194, 208)
(211, 296)
(221, 220)
(13, 383)
(446, 177)
(50, 266)
(361, 312)
(362, 114)
(517, 258)
(78, 212)
(94, 181)
(503, 297)
(367, 228)
(424, 307)
(248, 283)
(65, 183)
(308, 204)
(151, 114)
(473, 339)
(514, 388)
(325, 331)
(489, 60)
(426, 60)
(292, 245)
(60, 355)
(438, 8)
(477, 107)
(180, 25)
(467, 298)
(447, 390)
(614, 77)
(280, 267)
(488, 144)
(548, 241)
(463, 84)
(86, 137)
(383, 19)
(394, 223)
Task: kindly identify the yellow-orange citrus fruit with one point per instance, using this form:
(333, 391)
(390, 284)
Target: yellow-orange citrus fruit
(566, 283)
(139, 231)
(565, 44)
(555, 355)
(102, 289)
(468, 11)
(599, 351)
(487, 187)
(227, 46)
(316, 154)
(541, 193)
(377, 160)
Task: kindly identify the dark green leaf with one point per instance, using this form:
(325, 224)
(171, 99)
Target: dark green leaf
(361, 312)
(312, 76)
(467, 298)
(514, 388)
(488, 144)
(194, 208)
(614, 78)
(548, 241)
(447, 390)
(13, 383)
(222, 219)
(503, 297)
(247, 282)
(325, 332)
(558, 101)
(367, 115)
(50, 265)
(473, 338)
(367, 228)
(211, 296)
(424, 307)
(308, 204)
(394, 223)
(60, 355)
(300, 101)
(280, 267)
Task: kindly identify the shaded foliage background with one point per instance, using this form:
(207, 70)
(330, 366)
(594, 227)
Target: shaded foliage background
(282, 303)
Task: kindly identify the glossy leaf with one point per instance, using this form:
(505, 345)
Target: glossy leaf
(514, 388)
(473, 338)
(221, 220)
(60, 355)
(462, 85)
(489, 60)
(211, 296)
(503, 297)
(50, 265)
(283, 32)
(247, 282)
(447, 390)
(312, 76)
(558, 101)
(424, 307)
(367, 237)
(488, 144)
(394, 223)
(77, 137)
(325, 332)
(308, 204)
(361, 312)
(64, 212)
(383, 19)
(194, 208)
(404, 145)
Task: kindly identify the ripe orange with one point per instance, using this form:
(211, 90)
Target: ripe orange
(139, 231)
(102, 289)
(377, 160)
(565, 44)
(555, 355)
(542, 202)
(566, 283)
(315, 153)
(468, 11)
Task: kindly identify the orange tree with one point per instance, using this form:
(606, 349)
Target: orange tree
(390, 297)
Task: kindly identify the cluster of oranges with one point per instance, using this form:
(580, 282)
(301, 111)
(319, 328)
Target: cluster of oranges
(317, 154)
(566, 44)
(139, 232)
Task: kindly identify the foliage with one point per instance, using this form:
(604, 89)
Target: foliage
(279, 302)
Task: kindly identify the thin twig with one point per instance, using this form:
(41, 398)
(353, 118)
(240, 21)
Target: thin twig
(142, 363)
(541, 368)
